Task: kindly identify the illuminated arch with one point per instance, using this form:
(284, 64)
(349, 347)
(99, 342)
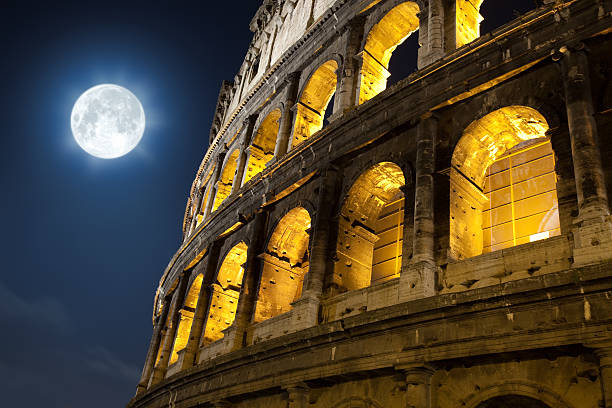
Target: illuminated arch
(224, 185)
(370, 236)
(285, 265)
(200, 207)
(313, 102)
(390, 32)
(225, 293)
(503, 185)
(262, 147)
(186, 318)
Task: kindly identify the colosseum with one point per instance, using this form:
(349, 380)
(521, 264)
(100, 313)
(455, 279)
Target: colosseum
(441, 242)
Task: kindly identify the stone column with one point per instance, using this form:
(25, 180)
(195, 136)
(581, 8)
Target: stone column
(198, 205)
(243, 157)
(605, 373)
(202, 306)
(285, 128)
(298, 395)
(159, 372)
(418, 280)
(236, 333)
(593, 232)
(418, 384)
(158, 334)
(590, 180)
(435, 30)
(214, 181)
(348, 84)
(306, 309)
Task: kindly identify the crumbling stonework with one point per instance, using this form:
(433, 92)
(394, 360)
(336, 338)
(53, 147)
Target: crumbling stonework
(442, 242)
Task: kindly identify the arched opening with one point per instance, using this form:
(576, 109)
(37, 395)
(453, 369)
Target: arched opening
(224, 185)
(225, 293)
(285, 263)
(200, 206)
(474, 17)
(512, 401)
(186, 318)
(371, 226)
(262, 147)
(390, 32)
(503, 183)
(314, 101)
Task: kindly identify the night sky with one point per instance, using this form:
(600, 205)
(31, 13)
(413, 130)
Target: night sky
(84, 240)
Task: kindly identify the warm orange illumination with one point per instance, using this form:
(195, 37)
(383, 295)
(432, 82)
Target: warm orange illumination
(313, 102)
(468, 19)
(262, 149)
(369, 248)
(226, 291)
(522, 194)
(285, 264)
(186, 318)
(224, 185)
(391, 31)
(503, 185)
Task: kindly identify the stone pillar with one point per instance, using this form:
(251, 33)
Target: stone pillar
(158, 334)
(285, 128)
(236, 333)
(159, 372)
(593, 232)
(418, 384)
(348, 85)
(590, 180)
(202, 306)
(243, 157)
(306, 309)
(299, 395)
(418, 280)
(605, 374)
(435, 30)
(198, 205)
(214, 181)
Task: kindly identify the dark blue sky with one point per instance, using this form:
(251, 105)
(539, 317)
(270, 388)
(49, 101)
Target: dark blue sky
(84, 240)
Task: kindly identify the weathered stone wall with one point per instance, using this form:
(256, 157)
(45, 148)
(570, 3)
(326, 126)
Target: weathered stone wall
(528, 323)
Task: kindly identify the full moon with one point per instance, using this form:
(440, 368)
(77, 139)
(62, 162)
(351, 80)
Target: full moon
(107, 121)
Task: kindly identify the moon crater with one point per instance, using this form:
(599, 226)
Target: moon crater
(107, 121)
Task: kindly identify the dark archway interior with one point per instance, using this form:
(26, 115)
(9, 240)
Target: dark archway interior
(404, 59)
(512, 401)
(497, 13)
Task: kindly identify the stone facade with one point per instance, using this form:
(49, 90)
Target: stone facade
(442, 242)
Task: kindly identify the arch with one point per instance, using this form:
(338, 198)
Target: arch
(371, 225)
(390, 32)
(186, 318)
(226, 179)
(261, 150)
(200, 206)
(285, 263)
(512, 401)
(503, 185)
(537, 392)
(314, 101)
(467, 21)
(225, 293)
